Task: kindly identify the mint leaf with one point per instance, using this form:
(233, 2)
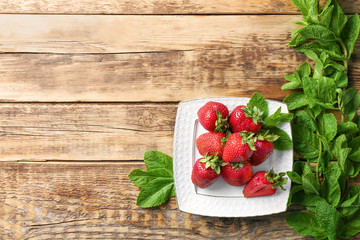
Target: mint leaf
(341, 79)
(295, 177)
(140, 177)
(338, 19)
(347, 128)
(295, 100)
(305, 141)
(308, 9)
(351, 103)
(329, 219)
(156, 192)
(258, 100)
(331, 187)
(350, 33)
(352, 227)
(316, 32)
(306, 224)
(294, 189)
(283, 142)
(277, 118)
(328, 126)
(157, 159)
(355, 149)
(322, 90)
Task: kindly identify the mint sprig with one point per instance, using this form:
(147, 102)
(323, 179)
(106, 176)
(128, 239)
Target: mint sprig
(327, 38)
(157, 183)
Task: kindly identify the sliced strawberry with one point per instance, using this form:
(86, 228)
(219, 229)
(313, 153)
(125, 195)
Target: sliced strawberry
(213, 117)
(237, 174)
(245, 119)
(238, 147)
(264, 184)
(210, 143)
(206, 171)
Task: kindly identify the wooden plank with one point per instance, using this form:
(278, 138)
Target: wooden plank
(97, 201)
(124, 34)
(161, 7)
(187, 57)
(84, 131)
(151, 77)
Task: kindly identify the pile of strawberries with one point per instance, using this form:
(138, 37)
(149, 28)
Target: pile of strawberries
(232, 145)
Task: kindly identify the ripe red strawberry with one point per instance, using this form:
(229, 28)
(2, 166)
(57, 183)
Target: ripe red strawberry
(206, 171)
(238, 147)
(264, 184)
(264, 148)
(210, 143)
(245, 119)
(213, 117)
(237, 174)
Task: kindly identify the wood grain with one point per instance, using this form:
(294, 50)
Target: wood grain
(97, 201)
(37, 132)
(160, 7)
(184, 57)
(129, 34)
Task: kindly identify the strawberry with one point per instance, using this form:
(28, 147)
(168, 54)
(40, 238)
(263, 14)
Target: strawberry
(237, 174)
(213, 117)
(210, 143)
(245, 119)
(238, 147)
(264, 148)
(206, 171)
(264, 184)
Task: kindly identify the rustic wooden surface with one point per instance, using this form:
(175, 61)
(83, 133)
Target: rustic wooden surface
(88, 86)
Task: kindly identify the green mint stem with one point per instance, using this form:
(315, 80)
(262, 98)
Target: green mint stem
(319, 158)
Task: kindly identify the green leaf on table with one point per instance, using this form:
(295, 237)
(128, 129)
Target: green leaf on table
(328, 126)
(258, 100)
(305, 141)
(157, 183)
(351, 227)
(140, 177)
(330, 188)
(350, 206)
(338, 19)
(306, 223)
(277, 118)
(294, 189)
(329, 219)
(283, 142)
(295, 100)
(310, 184)
(341, 79)
(294, 177)
(322, 90)
(156, 192)
(308, 9)
(157, 159)
(355, 149)
(350, 33)
(333, 51)
(316, 32)
(347, 128)
(351, 103)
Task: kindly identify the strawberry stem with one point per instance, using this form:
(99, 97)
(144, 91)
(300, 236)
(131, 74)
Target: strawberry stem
(221, 124)
(277, 180)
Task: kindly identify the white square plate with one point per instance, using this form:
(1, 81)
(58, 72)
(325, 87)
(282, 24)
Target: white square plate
(221, 199)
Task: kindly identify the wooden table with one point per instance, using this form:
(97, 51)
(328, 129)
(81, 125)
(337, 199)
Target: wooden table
(88, 86)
